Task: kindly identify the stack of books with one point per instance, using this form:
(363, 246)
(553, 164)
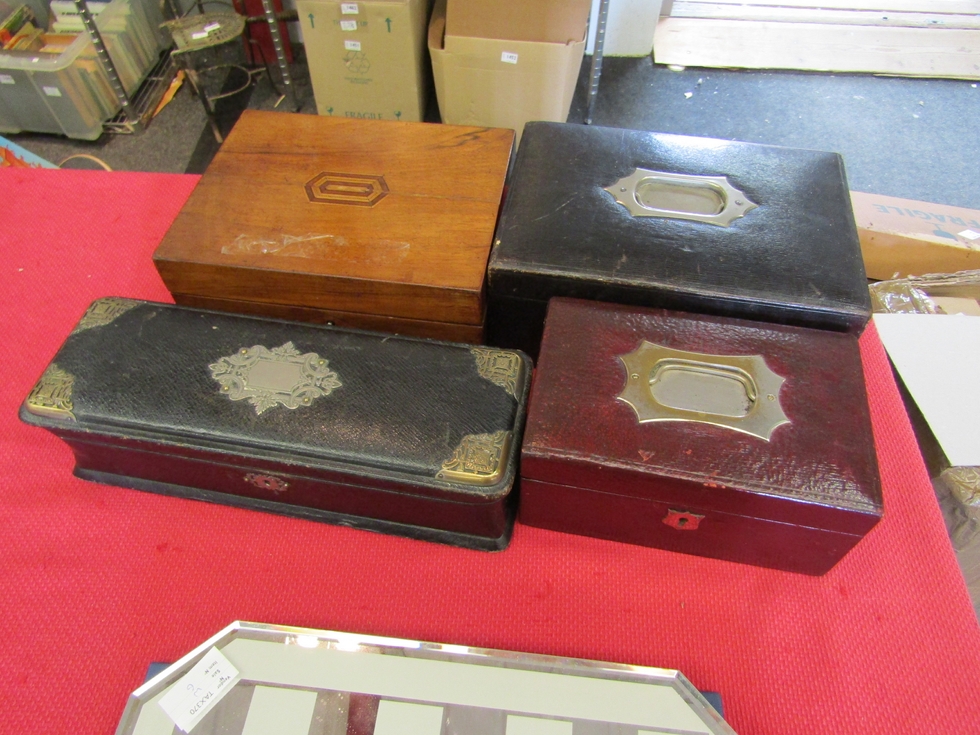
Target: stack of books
(65, 17)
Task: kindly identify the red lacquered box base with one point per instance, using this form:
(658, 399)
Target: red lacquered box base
(796, 493)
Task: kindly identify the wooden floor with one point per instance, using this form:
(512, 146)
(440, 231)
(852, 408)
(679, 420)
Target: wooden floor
(928, 38)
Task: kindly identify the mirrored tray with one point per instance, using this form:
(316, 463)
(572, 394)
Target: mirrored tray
(297, 681)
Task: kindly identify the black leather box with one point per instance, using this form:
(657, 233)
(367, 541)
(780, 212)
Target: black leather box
(400, 435)
(690, 224)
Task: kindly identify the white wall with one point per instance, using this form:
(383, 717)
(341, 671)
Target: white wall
(629, 27)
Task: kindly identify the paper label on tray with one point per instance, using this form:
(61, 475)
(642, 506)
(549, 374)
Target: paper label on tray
(6, 79)
(352, 45)
(970, 234)
(348, 8)
(508, 58)
(52, 91)
(199, 690)
(348, 25)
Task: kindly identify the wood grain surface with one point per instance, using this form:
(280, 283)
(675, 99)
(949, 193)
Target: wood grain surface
(387, 218)
(449, 331)
(934, 51)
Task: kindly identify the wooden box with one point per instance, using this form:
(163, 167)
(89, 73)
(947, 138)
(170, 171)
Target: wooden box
(671, 221)
(360, 223)
(719, 437)
(405, 436)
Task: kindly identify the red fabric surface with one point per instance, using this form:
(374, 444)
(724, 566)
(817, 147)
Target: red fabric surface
(98, 581)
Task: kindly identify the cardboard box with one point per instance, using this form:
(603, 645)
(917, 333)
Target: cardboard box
(903, 237)
(367, 58)
(504, 64)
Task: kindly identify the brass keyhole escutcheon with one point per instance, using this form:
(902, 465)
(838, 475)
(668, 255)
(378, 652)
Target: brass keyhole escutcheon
(683, 520)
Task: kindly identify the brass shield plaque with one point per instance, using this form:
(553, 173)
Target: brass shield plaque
(737, 392)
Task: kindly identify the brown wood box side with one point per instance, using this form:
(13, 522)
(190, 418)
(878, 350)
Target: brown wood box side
(303, 289)
(448, 331)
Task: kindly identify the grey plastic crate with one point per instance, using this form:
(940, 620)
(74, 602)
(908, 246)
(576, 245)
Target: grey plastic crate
(69, 93)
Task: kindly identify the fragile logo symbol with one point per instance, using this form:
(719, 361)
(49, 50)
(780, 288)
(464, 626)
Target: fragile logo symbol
(357, 62)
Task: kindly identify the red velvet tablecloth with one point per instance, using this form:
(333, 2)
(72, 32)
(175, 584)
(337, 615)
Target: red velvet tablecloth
(98, 581)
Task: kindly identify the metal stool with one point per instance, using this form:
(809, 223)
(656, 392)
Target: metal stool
(194, 35)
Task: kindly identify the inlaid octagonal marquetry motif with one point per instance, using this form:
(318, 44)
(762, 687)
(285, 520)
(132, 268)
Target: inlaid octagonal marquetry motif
(359, 190)
(280, 376)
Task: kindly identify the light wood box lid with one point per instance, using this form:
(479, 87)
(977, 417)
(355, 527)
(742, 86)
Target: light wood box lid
(369, 216)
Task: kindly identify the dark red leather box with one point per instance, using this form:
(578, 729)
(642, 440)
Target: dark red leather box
(706, 435)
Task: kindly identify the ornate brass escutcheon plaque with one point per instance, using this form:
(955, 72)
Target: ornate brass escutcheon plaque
(51, 396)
(280, 376)
(709, 199)
(500, 367)
(736, 392)
(480, 459)
(103, 312)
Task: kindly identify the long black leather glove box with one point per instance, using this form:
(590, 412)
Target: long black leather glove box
(689, 224)
(399, 435)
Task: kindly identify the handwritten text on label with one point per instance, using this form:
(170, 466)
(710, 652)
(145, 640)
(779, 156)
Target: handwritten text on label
(199, 690)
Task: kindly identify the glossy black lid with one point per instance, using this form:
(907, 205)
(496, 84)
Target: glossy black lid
(371, 404)
(794, 258)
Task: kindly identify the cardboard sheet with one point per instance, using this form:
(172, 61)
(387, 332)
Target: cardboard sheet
(902, 237)
(937, 355)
